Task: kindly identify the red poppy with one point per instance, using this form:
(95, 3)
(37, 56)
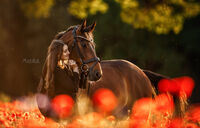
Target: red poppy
(185, 86)
(104, 100)
(181, 86)
(176, 123)
(167, 85)
(194, 114)
(139, 123)
(164, 103)
(62, 105)
(142, 108)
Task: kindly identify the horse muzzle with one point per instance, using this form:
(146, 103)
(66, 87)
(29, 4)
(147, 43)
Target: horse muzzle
(94, 75)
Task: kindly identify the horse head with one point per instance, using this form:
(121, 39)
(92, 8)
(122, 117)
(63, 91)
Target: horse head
(82, 49)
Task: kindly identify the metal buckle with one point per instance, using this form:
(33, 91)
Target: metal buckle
(83, 69)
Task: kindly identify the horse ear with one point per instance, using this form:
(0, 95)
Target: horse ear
(91, 27)
(83, 26)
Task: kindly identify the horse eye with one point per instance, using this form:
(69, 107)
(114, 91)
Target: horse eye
(83, 45)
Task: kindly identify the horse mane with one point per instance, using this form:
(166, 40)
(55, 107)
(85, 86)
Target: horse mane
(60, 34)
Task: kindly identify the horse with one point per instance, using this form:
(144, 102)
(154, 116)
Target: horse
(127, 81)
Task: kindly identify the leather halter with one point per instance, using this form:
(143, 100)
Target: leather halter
(83, 62)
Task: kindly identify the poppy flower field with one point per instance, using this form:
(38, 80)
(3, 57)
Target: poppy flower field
(157, 112)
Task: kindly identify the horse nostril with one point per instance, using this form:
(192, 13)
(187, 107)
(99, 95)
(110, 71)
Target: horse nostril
(98, 75)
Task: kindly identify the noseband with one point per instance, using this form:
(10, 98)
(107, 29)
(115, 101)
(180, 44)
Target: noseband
(85, 69)
(84, 63)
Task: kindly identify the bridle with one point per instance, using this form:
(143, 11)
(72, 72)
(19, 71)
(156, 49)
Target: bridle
(85, 69)
(84, 63)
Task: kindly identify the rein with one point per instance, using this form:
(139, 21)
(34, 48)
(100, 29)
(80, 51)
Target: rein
(85, 69)
(84, 62)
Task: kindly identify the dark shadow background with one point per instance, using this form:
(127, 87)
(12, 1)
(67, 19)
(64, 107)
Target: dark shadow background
(24, 42)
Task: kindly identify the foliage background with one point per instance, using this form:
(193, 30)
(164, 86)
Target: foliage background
(158, 35)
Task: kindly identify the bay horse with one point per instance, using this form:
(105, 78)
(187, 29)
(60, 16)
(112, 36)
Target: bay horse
(127, 81)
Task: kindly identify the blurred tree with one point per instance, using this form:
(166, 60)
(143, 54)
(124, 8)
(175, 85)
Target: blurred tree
(81, 8)
(36, 8)
(160, 16)
(12, 29)
(24, 39)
